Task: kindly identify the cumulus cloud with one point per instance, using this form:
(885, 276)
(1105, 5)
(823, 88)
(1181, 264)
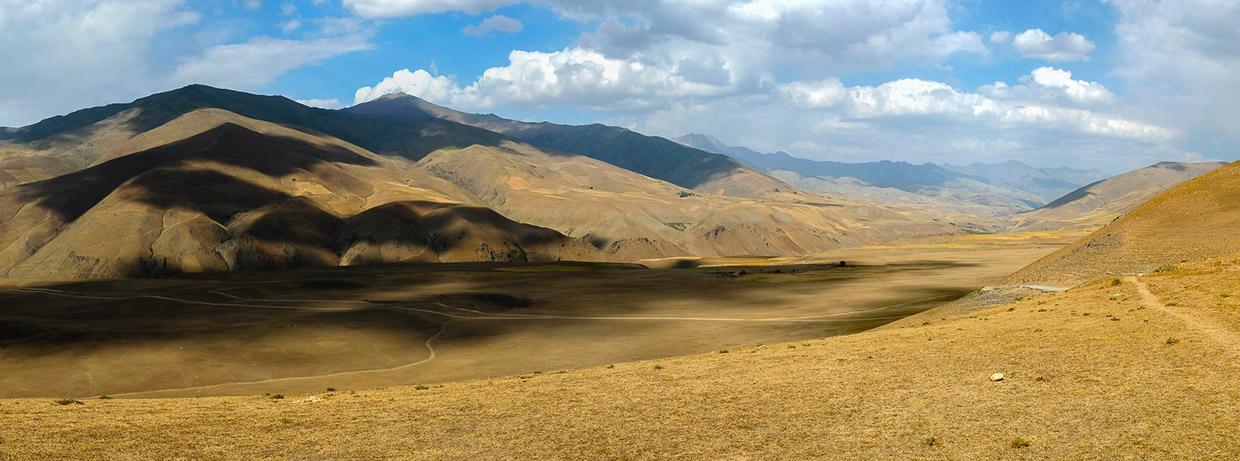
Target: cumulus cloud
(1064, 46)
(260, 60)
(401, 8)
(1000, 36)
(497, 23)
(62, 54)
(1049, 84)
(1180, 59)
(322, 103)
(571, 77)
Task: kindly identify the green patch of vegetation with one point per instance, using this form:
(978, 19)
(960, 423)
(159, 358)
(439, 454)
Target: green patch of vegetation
(1172, 304)
(684, 194)
(331, 389)
(677, 225)
(1115, 282)
(792, 346)
(930, 441)
(286, 421)
(658, 367)
(1039, 379)
(421, 387)
(277, 396)
(105, 397)
(1020, 443)
(1172, 341)
(610, 366)
(1010, 309)
(724, 351)
(68, 402)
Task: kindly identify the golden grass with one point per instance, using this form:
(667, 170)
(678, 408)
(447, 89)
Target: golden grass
(1089, 375)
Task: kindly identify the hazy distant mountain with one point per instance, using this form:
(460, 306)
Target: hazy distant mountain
(1050, 183)
(1103, 201)
(928, 185)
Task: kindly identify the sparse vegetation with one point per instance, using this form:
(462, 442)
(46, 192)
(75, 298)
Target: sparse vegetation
(421, 387)
(930, 441)
(1020, 443)
(724, 351)
(1116, 282)
(1173, 341)
(105, 397)
(68, 402)
(658, 367)
(277, 396)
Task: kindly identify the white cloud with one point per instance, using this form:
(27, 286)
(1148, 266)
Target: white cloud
(497, 23)
(1000, 36)
(1048, 84)
(1064, 46)
(60, 55)
(288, 9)
(322, 103)
(252, 4)
(260, 60)
(289, 26)
(402, 8)
(572, 77)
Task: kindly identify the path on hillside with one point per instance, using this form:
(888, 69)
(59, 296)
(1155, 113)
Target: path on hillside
(429, 347)
(1213, 331)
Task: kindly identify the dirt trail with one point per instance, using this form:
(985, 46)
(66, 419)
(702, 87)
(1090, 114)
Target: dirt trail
(1212, 331)
(429, 347)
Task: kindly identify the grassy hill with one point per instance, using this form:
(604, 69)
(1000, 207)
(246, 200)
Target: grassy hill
(1196, 219)
(1103, 201)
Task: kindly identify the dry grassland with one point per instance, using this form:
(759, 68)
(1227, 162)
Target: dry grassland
(1104, 371)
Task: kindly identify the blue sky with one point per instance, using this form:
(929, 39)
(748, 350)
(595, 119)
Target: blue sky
(1113, 85)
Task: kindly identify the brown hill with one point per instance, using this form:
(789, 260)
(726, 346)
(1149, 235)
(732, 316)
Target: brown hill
(1196, 219)
(232, 198)
(1099, 203)
(655, 157)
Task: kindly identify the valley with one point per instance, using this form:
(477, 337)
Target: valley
(379, 326)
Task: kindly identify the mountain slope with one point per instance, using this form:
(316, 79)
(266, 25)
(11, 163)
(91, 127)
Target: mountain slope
(651, 156)
(1193, 220)
(233, 198)
(1047, 183)
(1101, 202)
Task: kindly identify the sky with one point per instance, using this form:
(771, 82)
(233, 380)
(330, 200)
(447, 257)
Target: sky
(1114, 85)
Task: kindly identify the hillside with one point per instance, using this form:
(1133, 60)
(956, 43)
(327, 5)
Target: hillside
(245, 194)
(1047, 183)
(651, 156)
(1196, 219)
(1102, 202)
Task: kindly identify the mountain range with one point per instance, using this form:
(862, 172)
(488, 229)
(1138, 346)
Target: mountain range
(205, 179)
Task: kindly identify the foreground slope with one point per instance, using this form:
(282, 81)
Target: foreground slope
(245, 194)
(1101, 202)
(1104, 371)
(1196, 219)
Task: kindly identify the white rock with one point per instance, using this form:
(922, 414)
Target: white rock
(996, 377)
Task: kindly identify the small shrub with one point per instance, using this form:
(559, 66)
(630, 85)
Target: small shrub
(1173, 341)
(658, 367)
(331, 389)
(930, 441)
(421, 387)
(105, 397)
(1020, 443)
(1039, 379)
(724, 351)
(1010, 309)
(924, 323)
(792, 346)
(1115, 282)
(277, 396)
(1165, 268)
(68, 402)
(610, 366)
(286, 421)
(1172, 304)
(1225, 295)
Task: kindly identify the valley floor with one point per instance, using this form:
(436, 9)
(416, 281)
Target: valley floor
(1124, 368)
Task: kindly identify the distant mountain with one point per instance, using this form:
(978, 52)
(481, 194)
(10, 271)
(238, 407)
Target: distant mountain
(1049, 183)
(900, 175)
(655, 157)
(1099, 203)
(1003, 190)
